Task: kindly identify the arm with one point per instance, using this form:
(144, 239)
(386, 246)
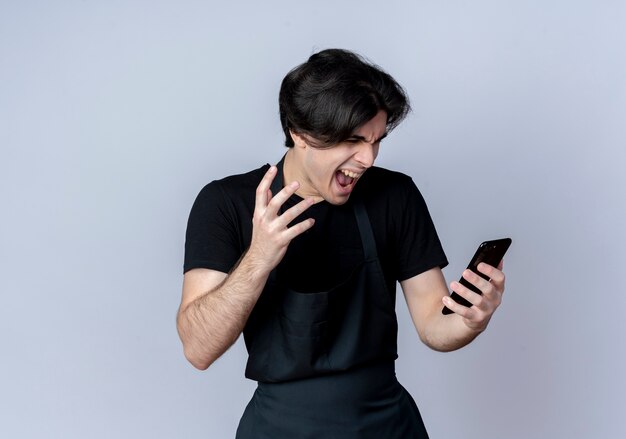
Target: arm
(215, 306)
(214, 309)
(426, 294)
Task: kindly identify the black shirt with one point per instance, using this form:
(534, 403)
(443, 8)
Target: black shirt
(219, 230)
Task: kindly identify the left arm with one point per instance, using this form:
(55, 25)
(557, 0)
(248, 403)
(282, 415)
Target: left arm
(427, 293)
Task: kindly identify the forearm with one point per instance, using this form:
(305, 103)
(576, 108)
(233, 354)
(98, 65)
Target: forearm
(209, 325)
(426, 294)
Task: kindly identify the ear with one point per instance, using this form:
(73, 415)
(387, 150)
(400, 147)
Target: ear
(298, 139)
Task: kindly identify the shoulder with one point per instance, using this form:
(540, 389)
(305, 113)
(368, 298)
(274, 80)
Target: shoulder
(378, 174)
(219, 226)
(234, 187)
(228, 199)
(386, 185)
(391, 195)
(246, 181)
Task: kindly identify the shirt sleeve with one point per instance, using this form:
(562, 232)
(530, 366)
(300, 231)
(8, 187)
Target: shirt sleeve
(418, 247)
(212, 237)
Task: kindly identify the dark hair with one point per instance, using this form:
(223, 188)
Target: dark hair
(334, 93)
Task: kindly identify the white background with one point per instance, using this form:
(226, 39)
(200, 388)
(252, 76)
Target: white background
(114, 114)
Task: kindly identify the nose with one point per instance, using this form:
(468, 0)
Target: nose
(366, 154)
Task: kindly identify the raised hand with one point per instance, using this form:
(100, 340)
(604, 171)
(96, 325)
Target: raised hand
(271, 233)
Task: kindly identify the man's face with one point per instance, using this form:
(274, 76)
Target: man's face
(332, 173)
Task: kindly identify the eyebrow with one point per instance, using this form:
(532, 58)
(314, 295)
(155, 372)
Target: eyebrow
(357, 137)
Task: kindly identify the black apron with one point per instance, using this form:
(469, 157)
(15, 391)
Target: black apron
(324, 361)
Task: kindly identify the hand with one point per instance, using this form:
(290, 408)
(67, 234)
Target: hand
(478, 315)
(270, 232)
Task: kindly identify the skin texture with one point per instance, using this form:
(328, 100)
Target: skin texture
(215, 306)
(426, 294)
(315, 168)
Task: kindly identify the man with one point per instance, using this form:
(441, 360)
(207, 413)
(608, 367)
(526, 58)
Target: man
(303, 258)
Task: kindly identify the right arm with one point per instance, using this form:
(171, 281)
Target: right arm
(214, 309)
(215, 306)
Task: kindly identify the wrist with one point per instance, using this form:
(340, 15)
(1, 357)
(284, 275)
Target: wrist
(475, 327)
(255, 264)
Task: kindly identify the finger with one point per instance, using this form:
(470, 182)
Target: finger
(495, 275)
(487, 270)
(474, 298)
(491, 292)
(279, 199)
(479, 282)
(263, 189)
(298, 229)
(457, 308)
(293, 212)
(472, 317)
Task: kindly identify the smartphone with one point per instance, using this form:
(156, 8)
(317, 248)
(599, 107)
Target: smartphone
(489, 252)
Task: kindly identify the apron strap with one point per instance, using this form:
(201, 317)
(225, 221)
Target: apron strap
(365, 229)
(277, 184)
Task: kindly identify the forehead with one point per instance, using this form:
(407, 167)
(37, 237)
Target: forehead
(374, 129)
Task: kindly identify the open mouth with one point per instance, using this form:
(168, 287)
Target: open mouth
(346, 179)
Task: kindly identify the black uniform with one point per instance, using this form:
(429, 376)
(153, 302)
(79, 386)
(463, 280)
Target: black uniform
(322, 336)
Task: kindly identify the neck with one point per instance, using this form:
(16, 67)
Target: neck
(292, 172)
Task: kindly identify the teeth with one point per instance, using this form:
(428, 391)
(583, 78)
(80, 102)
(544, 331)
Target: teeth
(349, 173)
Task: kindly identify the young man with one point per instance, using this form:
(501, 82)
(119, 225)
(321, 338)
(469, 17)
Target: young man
(303, 258)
